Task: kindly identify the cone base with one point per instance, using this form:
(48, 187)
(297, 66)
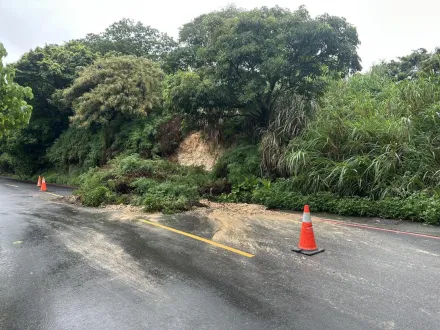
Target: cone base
(308, 252)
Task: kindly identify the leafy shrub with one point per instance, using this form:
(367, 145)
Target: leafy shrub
(83, 148)
(76, 148)
(95, 188)
(169, 196)
(238, 163)
(6, 163)
(243, 191)
(156, 184)
(97, 196)
(157, 135)
(15, 164)
(135, 166)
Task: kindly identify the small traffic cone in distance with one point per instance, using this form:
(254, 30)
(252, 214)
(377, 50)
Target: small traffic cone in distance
(43, 185)
(307, 244)
(39, 181)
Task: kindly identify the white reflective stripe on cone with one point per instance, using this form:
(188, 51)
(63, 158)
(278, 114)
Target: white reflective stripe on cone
(307, 217)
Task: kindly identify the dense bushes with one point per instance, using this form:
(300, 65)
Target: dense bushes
(8, 163)
(82, 148)
(157, 135)
(77, 148)
(156, 184)
(238, 163)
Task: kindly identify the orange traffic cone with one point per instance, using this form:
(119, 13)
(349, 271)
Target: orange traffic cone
(39, 181)
(43, 185)
(307, 244)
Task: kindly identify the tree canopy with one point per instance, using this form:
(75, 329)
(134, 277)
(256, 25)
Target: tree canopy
(432, 64)
(417, 63)
(45, 70)
(242, 61)
(129, 38)
(14, 110)
(112, 86)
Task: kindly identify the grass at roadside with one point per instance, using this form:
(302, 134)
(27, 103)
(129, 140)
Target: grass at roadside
(418, 207)
(160, 185)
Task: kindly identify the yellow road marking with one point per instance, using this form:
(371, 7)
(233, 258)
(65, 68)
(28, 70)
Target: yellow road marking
(11, 185)
(53, 194)
(199, 238)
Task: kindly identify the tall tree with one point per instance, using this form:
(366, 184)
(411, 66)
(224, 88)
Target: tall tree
(14, 110)
(242, 61)
(129, 38)
(114, 87)
(45, 70)
(407, 66)
(419, 62)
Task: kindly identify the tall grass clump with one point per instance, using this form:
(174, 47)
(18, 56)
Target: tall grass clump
(370, 137)
(291, 115)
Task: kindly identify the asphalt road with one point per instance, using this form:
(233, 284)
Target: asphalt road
(65, 267)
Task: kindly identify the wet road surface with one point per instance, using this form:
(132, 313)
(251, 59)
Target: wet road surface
(66, 267)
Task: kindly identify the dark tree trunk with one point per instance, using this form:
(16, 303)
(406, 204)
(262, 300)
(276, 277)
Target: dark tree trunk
(264, 117)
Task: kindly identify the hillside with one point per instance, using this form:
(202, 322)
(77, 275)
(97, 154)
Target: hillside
(226, 113)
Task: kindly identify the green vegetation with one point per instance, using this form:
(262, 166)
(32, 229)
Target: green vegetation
(371, 137)
(112, 91)
(129, 38)
(44, 70)
(115, 86)
(243, 61)
(156, 184)
(80, 148)
(419, 62)
(279, 90)
(419, 206)
(371, 149)
(14, 111)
